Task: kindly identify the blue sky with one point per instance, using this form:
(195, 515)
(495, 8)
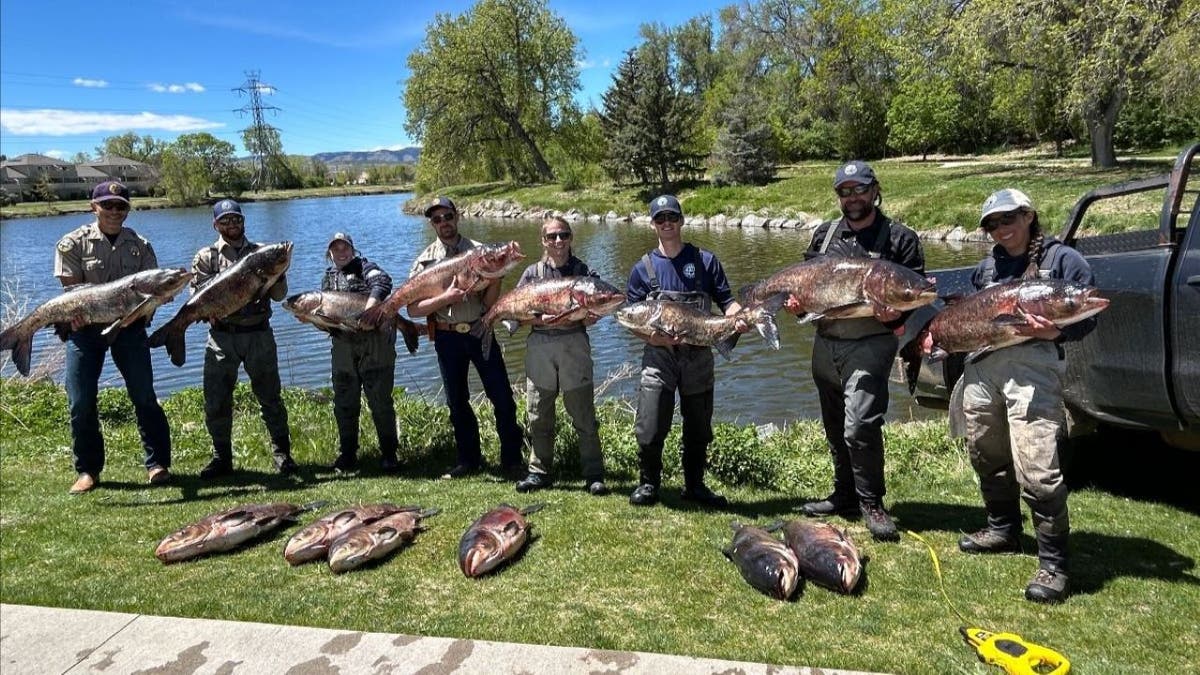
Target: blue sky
(73, 73)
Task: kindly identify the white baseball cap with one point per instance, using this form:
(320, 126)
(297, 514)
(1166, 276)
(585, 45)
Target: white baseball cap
(1002, 201)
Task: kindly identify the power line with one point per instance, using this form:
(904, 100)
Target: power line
(269, 168)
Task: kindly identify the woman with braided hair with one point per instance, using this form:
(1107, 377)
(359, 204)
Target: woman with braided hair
(1012, 400)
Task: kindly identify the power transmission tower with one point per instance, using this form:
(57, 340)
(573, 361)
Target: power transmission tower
(267, 163)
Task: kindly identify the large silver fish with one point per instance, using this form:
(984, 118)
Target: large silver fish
(376, 539)
(765, 562)
(232, 289)
(337, 313)
(314, 540)
(700, 328)
(494, 538)
(840, 287)
(116, 303)
(554, 301)
(225, 530)
(826, 555)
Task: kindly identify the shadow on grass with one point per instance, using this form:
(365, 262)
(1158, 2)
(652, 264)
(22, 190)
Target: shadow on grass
(1098, 559)
(1133, 464)
(240, 484)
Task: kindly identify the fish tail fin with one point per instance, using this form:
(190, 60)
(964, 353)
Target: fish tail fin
(410, 333)
(159, 337)
(312, 506)
(487, 336)
(768, 329)
(533, 508)
(774, 526)
(427, 513)
(22, 349)
(176, 346)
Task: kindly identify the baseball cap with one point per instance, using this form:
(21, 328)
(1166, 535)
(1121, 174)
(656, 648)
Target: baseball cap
(440, 203)
(340, 236)
(854, 172)
(224, 207)
(665, 203)
(1008, 199)
(110, 189)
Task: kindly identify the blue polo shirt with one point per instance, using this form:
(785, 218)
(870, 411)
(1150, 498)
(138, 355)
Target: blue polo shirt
(681, 274)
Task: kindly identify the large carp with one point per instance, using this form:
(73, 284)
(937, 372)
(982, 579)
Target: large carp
(495, 537)
(225, 530)
(765, 562)
(988, 320)
(840, 287)
(553, 301)
(115, 303)
(314, 540)
(699, 328)
(376, 539)
(233, 288)
(826, 555)
(471, 270)
(337, 313)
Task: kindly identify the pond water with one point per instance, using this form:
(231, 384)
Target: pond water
(760, 385)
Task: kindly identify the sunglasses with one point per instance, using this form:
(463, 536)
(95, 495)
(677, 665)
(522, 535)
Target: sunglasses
(231, 220)
(1008, 218)
(856, 190)
(560, 236)
(668, 217)
(439, 219)
(114, 205)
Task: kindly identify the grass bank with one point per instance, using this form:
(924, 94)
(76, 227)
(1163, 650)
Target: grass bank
(927, 195)
(601, 573)
(37, 209)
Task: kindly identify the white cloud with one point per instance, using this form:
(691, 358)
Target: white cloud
(50, 122)
(85, 82)
(56, 154)
(584, 64)
(193, 87)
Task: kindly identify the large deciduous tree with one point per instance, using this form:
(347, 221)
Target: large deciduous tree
(131, 146)
(493, 83)
(197, 165)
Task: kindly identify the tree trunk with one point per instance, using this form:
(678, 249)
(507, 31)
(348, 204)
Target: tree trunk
(539, 162)
(1101, 124)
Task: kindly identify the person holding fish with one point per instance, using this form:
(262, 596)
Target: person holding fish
(102, 251)
(558, 359)
(363, 362)
(852, 358)
(241, 338)
(676, 271)
(1011, 399)
(452, 313)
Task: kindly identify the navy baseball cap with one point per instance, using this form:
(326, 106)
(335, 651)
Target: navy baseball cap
(854, 172)
(341, 236)
(440, 203)
(109, 190)
(665, 203)
(225, 207)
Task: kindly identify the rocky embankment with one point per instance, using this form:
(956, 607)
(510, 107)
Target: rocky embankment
(509, 210)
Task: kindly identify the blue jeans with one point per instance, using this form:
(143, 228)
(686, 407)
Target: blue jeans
(455, 352)
(85, 361)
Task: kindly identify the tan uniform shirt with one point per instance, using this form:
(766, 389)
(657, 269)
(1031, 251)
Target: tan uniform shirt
(86, 255)
(221, 255)
(471, 308)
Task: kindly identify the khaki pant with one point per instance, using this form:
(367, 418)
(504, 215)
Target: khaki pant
(557, 363)
(1012, 405)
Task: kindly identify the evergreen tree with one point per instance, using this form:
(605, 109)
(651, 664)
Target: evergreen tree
(744, 152)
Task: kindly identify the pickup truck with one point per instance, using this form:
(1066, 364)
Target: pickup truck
(1140, 367)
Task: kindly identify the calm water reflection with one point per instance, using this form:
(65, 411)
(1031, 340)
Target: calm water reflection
(759, 385)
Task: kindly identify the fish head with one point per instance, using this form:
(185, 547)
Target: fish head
(599, 297)
(480, 551)
(307, 544)
(162, 283)
(185, 543)
(349, 552)
(638, 316)
(895, 286)
(274, 259)
(496, 260)
(1062, 302)
(303, 304)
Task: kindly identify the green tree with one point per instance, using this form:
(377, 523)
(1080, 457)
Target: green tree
(923, 113)
(198, 165)
(492, 83)
(275, 171)
(145, 149)
(43, 189)
(81, 158)
(744, 152)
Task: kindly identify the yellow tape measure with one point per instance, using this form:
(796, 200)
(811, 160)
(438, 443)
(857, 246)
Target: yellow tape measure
(1006, 650)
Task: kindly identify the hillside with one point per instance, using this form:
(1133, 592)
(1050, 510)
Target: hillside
(407, 155)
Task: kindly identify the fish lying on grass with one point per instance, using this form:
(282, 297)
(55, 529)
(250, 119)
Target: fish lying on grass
(337, 313)
(699, 328)
(313, 541)
(116, 303)
(376, 539)
(764, 561)
(553, 301)
(840, 287)
(227, 529)
(471, 270)
(232, 289)
(988, 320)
(494, 538)
(826, 555)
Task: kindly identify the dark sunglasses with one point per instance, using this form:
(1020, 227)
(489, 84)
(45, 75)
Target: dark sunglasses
(114, 205)
(231, 220)
(1008, 218)
(856, 190)
(561, 236)
(669, 217)
(439, 219)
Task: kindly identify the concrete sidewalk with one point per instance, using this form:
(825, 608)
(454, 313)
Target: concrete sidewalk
(46, 640)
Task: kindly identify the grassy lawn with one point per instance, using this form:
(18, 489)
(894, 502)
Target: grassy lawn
(600, 573)
(924, 194)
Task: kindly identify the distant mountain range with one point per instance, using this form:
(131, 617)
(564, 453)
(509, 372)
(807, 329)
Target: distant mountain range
(402, 156)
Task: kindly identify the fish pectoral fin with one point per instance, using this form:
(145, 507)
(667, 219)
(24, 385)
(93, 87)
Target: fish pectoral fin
(809, 317)
(851, 310)
(112, 330)
(1009, 320)
(387, 534)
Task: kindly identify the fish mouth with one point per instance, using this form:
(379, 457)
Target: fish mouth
(477, 561)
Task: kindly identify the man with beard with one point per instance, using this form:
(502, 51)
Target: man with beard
(852, 358)
(242, 338)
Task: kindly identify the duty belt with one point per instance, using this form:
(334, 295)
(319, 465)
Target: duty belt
(454, 326)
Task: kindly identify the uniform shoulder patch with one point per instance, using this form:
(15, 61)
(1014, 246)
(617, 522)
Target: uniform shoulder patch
(65, 245)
